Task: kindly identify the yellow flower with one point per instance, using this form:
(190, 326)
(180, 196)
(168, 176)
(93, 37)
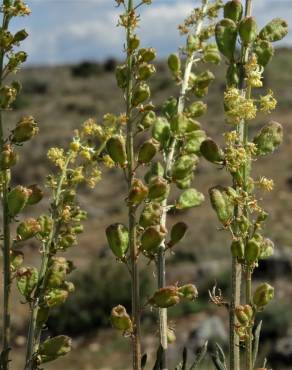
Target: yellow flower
(238, 107)
(57, 156)
(266, 184)
(254, 72)
(108, 162)
(268, 103)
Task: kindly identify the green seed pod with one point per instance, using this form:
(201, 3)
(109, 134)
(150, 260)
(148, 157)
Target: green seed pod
(248, 310)
(156, 170)
(267, 248)
(179, 124)
(222, 204)
(161, 131)
(241, 316)
(269, 138)
(141, 94)
(116, 149)
(226, 35)
(248, 30)
(197, 109)
(252, 251)
(120, 319)
(25, 130)
(56, 297)
(183, 166)
(46, 224)
(193, 43)
(17, 199)
(169, 108)
(26, 280)
(174, 63)
(158, 188)
(27, 229)
(237, 249)
(275, 30)
(190, 198)
(134, 43)
(16, 260)
(177, 233)
(36, 194)
(122, 76)
(171, 337)
(233, 10)
(138, 192)
(151, 215)
(118, 239)
(147, 54)
(233, 75)
(243, 224)
(264, 52)
(152, 238)
(8, 95)
(211, 54)
(165, 297)
(20, 36)
(8, 157)
(204, 79)
(211, 151)
(147, 121)
(53, 348)
(194, 142)
(57, 272)
(147, 151)
(145, 71)
(188, 292)
(185, 183)
(263, 295)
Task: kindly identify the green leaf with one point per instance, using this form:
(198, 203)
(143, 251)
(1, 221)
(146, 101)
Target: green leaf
(190, 198)
(256, 342)
(53, 348)
(200, 356)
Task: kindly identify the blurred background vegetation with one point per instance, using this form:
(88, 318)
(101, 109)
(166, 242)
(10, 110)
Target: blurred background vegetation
(61, 98)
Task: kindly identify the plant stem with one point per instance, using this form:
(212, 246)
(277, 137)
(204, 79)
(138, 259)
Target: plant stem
(248, 343)
(6, 248)
(161, 270)
(136, 313)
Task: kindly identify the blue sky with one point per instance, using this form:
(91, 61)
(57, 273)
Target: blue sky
(68, 31)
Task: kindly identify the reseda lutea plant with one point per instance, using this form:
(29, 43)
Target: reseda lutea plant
(237, 206)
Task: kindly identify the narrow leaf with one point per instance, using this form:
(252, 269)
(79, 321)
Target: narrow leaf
(185, 357)
(158, 359)
(200, 356)
(256, 342)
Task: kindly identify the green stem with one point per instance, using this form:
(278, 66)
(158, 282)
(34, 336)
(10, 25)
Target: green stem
(136, 312)
(248, 342)
(161, 269)
(6, 248)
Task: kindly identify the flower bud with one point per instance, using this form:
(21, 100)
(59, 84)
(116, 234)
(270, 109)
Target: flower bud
(17, 199)
(147, 120)
(267, 248)
(194, 142)
(211, 151)
(25, 130)
(46, 224)
(183, 166)
(269, 138)
(147, 151)
(27, 229)
(252, 251)
(193, 44)
(36, 194)
(165, 297)
(158, 188)
(151, 215)
(233, 10)
(233, 75)
(118, 239)
(226, 35)
(116, 148)
(145, 71)
(211, 54)
(120, 319)
(161, 131)
(20, 36)
(237, 249)
(134, 42)
(152, 238)
(53, 348)
(56, 297)
(190, 198)
(177, 233)
(141, 94)
(222, 204)
(57, 272)
(248, 30)
(174, 63)
(147, 55)
(122, 76)
(264, 52)
(8, 95)
(263, 295)
(138, 192)
(197, 109)
(16, 260)
(8, 157)
(188, 291)
(26, 280)
(275, 30)
(242, 315)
